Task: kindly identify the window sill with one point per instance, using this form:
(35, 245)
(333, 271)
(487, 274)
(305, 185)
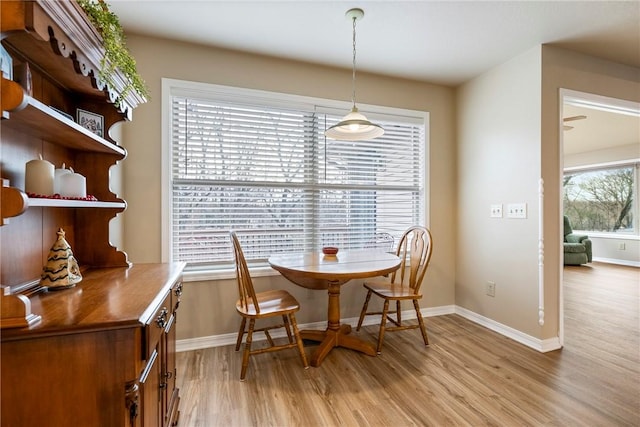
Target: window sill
(608, 235)
(225, 273)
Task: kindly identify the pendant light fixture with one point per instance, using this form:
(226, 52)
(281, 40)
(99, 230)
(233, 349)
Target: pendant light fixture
(354, 126)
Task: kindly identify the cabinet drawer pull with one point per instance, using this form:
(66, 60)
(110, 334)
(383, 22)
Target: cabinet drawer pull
(178, 290)
(161, 320)
(132, 396)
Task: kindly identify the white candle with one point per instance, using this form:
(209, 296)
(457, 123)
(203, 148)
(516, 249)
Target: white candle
(73, 185)
(39, 177)
(57, 178)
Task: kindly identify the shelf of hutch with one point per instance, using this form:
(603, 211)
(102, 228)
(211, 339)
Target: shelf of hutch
(15, 202)
(30, 116)
(62, 203)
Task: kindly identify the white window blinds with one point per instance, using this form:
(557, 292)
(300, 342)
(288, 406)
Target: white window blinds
(268, 173)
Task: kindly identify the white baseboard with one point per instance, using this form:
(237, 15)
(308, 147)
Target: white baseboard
(542, 346)
(230, 339)
(535, 343)
(618, 261)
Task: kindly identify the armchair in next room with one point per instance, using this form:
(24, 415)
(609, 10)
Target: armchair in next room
(577, 247)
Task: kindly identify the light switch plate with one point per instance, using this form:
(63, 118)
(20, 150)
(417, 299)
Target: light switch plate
(496, 211)
(517, 210)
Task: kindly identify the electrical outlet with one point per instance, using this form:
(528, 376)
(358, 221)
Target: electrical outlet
(491, 289)
(496, 211)
(517, 210)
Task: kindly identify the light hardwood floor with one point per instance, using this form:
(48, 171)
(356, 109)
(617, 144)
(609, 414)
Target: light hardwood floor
(468, 376)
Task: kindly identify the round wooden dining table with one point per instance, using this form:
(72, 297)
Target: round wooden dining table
(314, 270)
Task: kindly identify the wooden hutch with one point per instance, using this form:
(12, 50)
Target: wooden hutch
(101, 353)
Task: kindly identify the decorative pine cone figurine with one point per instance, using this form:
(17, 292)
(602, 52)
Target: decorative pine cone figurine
(62, 270)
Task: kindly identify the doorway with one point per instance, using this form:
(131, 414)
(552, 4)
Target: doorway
(600, 133)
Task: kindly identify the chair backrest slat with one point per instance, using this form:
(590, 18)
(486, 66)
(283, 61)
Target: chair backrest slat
(246, 292)
(414, 250)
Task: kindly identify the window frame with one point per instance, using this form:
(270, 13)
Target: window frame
(171, 87)
(631, 163)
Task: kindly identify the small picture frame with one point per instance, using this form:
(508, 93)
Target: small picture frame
(91, 121)
(6, 64)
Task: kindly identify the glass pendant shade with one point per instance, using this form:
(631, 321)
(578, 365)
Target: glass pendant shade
(354, 127)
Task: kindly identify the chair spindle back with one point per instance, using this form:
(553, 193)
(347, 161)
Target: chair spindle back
(245, 285)
(414, 250)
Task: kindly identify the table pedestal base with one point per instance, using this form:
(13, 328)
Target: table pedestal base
(331, 338)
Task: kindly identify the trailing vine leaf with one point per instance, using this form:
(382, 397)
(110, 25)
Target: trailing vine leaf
(116, 56)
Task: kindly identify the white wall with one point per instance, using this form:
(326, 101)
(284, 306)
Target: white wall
(499, 163)
(508, 138)
(208, 307)
(614, 154)
(624, 251)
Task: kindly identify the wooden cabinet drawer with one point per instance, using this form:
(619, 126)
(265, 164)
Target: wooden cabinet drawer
(155, 328)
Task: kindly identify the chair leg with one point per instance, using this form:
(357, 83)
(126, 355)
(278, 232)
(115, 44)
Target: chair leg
(423, 330)
(269, 339)
(383, 322)
(364, 310)
(296, 333)
(287, 327)
(241, 333)
(398, 313)
(247, 349)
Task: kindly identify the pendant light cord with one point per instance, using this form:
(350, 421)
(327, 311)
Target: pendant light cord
(353, 74)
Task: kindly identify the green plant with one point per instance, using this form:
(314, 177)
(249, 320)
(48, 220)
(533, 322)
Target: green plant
(116, 54)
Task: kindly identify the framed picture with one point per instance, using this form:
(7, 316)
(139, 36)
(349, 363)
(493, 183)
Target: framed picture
(92, 121)
(6, 64)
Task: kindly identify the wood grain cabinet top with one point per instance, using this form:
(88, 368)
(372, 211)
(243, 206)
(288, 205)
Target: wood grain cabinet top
(106, 298)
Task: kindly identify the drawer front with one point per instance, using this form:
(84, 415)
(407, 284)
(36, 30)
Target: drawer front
(155, 328)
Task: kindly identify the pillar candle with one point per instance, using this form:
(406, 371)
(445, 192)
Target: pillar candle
(73, 185)
(39, 177)
(57, 178)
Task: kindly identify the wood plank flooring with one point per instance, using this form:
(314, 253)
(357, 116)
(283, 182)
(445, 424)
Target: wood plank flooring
(468, 376)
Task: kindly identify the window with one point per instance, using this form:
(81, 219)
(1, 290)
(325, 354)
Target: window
(602, 199)
(259, 163)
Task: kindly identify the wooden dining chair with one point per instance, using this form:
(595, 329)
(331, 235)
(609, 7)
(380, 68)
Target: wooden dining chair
(414, 250)
(254, 306)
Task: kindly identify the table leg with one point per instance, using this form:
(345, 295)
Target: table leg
(336, 335)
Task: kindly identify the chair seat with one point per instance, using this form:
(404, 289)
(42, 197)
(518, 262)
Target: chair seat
(272, 303)
(388, 290)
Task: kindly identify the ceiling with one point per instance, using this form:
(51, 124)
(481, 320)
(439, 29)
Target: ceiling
(443, 42)
(599, 130)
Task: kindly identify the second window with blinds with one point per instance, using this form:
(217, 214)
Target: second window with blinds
(258, 162)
